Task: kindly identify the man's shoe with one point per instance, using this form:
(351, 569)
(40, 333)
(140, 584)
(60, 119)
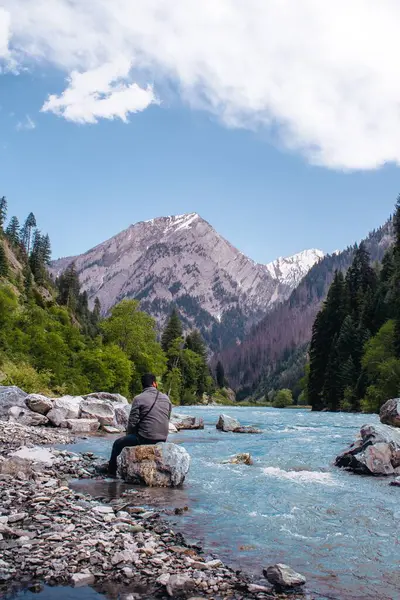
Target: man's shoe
(102, 469)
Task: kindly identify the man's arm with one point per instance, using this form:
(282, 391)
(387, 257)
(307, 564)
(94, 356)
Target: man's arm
(134, 417)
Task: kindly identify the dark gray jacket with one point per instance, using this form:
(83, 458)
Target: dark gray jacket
(155, 425)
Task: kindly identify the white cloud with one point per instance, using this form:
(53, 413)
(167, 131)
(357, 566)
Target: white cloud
(26, 125)
(4, 34)
(321, 77)
(100, 93)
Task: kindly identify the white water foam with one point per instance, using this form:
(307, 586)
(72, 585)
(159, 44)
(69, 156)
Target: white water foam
(301, 476)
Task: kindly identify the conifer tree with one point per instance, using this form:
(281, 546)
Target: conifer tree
(194, 341)
(3, 261)
(3, 212)
(220, 374)
(26, 233)
(172, 331)
(13, 231)
(69, 287)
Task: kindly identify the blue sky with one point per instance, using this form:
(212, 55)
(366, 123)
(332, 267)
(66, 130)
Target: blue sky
(272, 185)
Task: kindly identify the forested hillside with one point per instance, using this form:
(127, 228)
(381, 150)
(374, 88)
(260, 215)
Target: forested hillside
(51, 342)
(273, 355)
(355, 346)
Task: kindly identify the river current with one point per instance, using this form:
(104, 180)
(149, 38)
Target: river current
(340, 530)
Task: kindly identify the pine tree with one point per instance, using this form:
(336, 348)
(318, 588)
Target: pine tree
(96, 310)
(220, 374)
(26, 233)
(360, 279)
(172, 331)
(326, 328)
(69, 287)
(194, 341)
(13, 231)
(28, 282)
(3, 212)
(3, 261)
(45, 250)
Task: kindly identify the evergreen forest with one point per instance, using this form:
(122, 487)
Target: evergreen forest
(355, 347)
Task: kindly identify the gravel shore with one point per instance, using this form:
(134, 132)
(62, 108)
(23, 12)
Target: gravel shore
(51, 534)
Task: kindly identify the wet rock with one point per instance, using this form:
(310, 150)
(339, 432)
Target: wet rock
(172, 428)
(39, 404)
(390, 413)
(395, 482)
(122, 412)
(24, 416)
(81, 579)
(82, 425)
(117, 398)
(247, 429)
(187, 422)
(161, 465)
(376, 452)
(284, 577)
(67, 407)
(227, 423)
(102, 410)
(240, 459)
(10, 396)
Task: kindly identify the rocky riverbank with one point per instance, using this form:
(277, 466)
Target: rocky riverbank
(52, 534)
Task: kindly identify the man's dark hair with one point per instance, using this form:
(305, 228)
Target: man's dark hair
(148, 379)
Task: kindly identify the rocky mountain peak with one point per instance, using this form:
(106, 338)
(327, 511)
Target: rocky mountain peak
(291, 269)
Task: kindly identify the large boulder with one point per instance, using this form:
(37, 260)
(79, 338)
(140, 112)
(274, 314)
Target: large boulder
(122, 412)
(117, 398)
(375, 452)
(161, 465)
(10, 395)
(187, 422)
(284, 577)
(24, 416)
(390, 413)
(66, 407)
(102, 410)
(227, 423)
(83, 425)
(39, 404)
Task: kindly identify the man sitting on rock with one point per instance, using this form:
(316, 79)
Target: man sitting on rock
(148, 420)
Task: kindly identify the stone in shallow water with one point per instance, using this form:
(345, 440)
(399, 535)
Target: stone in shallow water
(284, 577)
(376, 452)
(187, 422)
(227, 423)
(390, 412)
(240, 459)
(161, 465)
(81, 579)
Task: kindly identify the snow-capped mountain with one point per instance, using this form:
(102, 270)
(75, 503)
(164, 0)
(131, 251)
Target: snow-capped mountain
(291, 270)
(181, 260)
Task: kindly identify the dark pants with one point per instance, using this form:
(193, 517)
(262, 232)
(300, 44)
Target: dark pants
(132, 439)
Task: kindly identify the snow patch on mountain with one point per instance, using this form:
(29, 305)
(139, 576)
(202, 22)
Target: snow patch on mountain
(291, 269)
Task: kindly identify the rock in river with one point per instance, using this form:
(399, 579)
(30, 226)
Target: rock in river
(283, 577)
(187, 422)
(240, 459)
(10, 396)
(227, 423)
(39, 404)
(390, 412)
(161, 465)
(375, 452)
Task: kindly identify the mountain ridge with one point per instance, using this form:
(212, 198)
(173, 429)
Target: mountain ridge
(181, 260)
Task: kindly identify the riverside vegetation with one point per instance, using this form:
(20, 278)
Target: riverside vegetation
(52, 342)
